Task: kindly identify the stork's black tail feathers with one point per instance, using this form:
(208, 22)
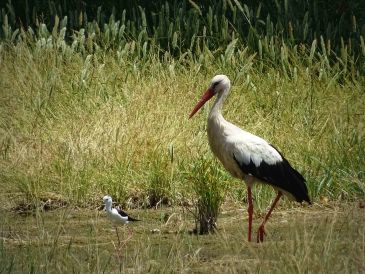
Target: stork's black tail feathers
(293, 182)
(280, 175)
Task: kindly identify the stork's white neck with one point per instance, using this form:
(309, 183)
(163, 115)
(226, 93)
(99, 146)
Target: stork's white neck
(215, 112)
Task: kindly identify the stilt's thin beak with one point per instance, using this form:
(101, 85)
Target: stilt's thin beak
(206, 96)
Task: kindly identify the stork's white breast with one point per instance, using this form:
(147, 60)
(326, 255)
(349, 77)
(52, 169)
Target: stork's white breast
(231, 144)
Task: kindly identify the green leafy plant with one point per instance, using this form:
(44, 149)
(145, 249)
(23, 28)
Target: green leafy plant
(209, 187)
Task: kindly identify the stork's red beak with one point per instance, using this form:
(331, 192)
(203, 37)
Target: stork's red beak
(206, 96)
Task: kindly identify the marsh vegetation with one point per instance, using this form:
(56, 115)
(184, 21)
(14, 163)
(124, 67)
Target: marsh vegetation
(94, 107)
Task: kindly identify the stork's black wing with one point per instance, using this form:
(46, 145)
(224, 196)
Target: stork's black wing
(280, 174)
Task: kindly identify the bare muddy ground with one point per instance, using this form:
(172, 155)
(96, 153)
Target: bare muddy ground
(316, 239)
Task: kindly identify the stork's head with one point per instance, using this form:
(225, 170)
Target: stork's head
(219, 84)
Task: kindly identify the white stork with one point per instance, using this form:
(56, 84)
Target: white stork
(249, 157)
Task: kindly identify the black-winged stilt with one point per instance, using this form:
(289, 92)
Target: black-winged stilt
(116, 215)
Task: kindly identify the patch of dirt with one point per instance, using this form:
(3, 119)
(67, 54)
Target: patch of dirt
(45, 202)
(362, 204)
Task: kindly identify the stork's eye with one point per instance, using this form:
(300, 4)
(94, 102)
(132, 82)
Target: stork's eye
(215, 84)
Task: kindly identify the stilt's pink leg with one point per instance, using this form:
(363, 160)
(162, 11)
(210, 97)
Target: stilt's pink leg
(116, 230)
(261, 231)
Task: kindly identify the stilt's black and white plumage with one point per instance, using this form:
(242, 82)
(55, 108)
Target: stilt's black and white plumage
(248, 157)
(116, 215)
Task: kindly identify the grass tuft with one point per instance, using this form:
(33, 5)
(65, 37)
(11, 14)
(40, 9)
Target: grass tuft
(209, 189)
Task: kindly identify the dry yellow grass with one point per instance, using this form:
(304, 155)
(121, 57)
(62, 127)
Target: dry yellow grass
(83, 127)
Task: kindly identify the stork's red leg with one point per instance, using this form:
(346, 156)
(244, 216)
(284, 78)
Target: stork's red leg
(261, 231)
(250, 212)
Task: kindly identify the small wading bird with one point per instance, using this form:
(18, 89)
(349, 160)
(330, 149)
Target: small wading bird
(116, 215)
(249, 157)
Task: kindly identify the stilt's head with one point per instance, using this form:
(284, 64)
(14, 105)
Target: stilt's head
(219, 84)
(108, 201)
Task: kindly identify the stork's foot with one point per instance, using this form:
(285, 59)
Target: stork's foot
(260, 234)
